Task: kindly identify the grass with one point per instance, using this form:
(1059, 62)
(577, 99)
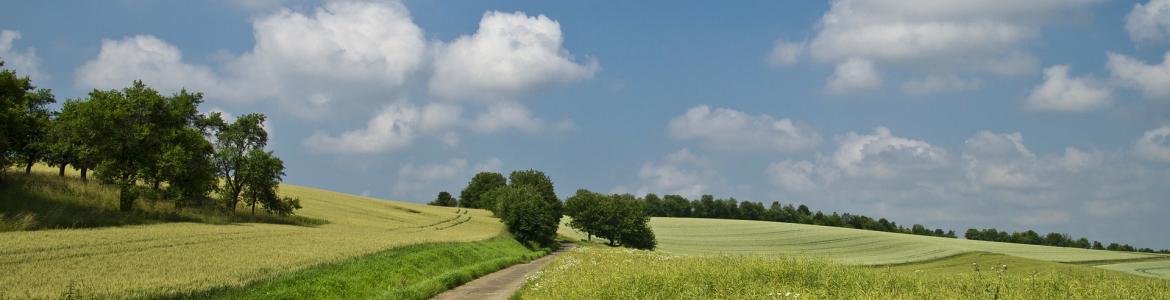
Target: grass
(849, 246)
(410, 272)
(597, 272)
(188, 257)
(42, 200)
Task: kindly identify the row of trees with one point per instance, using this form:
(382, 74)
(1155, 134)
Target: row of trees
(1050, 239)
(708, 206)
(620, 219)
(143, 142)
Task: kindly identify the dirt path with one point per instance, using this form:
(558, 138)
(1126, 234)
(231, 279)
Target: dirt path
(503, 283)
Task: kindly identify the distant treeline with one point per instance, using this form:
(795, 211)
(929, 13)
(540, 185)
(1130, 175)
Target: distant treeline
(1051, 239)
(709, 207)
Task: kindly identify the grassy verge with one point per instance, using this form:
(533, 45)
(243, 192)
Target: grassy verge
(410, 272)
(42, 201)
(608, 273)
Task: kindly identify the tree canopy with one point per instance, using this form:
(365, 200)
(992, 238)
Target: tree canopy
(483, 182)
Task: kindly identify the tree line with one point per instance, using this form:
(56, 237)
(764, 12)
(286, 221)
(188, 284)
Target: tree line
(1051, 239)
(707, 206)
(145, 143)
(526, 202)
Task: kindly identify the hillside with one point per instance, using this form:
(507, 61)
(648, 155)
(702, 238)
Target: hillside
(861, 247)
(167, 258)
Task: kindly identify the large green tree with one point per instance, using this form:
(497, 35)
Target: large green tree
(14, 114)
(261, 179)
(70, 141)
(528, 217)
(444, 199)
(482, 183)
(234, 144)
(541, 183)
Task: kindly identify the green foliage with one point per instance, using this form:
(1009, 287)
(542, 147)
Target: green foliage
(23, 120)
(606, 273)
(525, 213)
(260, 177)
(1051, 239)
(444, 199)
(483, 182)
(234, 146)
(543, 185)
(410, 272)
(620, 219)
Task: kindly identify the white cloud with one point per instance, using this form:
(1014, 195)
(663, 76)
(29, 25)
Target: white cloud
(679, 173)
(394, 127)
(1154, 145)
(853, 75)
(1149, 22)
(23, 62)
(423, 181)
(1153, 80)
(147, 58)
(997, 179)
(931, 84)
(730, 129)
(786, 53)
(928, 38)
(506, 115)
(1062, 93)
(883, 155)
(343, 50)
(794, 175)
(509, 55)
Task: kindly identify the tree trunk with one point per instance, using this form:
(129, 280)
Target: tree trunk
(28, 167)
(83, 170)
(126, 198)
(156, 183)
(61, 170)
(253, 208)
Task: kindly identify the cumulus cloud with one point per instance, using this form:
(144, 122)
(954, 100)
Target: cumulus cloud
(394, 127)
(853, 75)
(510, 115)
(881, 154)
(932, 84)
(786, 53)
(933, 37)
(1153, 80)
(1149, 22)
(510, 53)
(1154, 145)
(993, 178)
(147, 58)
(1062, 93)
(23, 62)
(423, 181)
(679, 173)
(729, 129)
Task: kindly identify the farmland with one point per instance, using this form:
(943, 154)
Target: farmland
(849, 246)
(607, 273)
(184, 257)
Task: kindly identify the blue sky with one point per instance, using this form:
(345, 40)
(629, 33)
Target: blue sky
(1047, 115)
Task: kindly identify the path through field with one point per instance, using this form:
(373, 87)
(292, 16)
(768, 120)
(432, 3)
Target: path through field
(503, 283)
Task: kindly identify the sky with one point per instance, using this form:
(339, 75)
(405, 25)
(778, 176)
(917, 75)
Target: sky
(1052, 115)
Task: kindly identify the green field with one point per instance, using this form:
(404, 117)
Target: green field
(857, 247)
(599, 272)
(184, 257)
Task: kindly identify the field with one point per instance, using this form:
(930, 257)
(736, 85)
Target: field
(599, 272)
(184, 257)
(861, 247)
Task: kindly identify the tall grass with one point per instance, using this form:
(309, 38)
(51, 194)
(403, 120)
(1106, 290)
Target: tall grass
(410, 272)
(607, 273)
(42, 201)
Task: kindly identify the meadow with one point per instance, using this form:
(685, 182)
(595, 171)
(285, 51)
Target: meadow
(598, 272)
(177, 258)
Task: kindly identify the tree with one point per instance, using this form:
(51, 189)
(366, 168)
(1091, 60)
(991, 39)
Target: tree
(541, 183)
(585, 209)
(261, 177)
(528, 217)
(13, 109)
(30, 141)
(483, 182)
(620, 219)
(127, 132)
(444, 199)
(654, 206)
(186, 165)
(676, 206)
(234, 144)
(71, 142)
